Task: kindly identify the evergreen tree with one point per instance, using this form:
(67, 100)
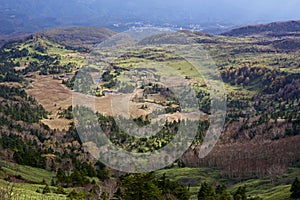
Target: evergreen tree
(169, 187)
(295, 189)
(240, 194)
(225, 196)
(46, 189)
(73, 195)
(220, 189)
(77, 178)
(206, 192)
(222, 193)
(140, 186)
(61, 176)
(60, 190)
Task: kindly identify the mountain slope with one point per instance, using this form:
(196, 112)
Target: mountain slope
(287, 28)
(77, 37)
(83, 37)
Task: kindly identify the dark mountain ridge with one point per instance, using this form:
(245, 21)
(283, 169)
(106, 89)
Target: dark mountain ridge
(77, 37)
(275, 29)
(83, 37)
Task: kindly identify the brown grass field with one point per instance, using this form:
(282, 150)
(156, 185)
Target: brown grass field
(55, 98)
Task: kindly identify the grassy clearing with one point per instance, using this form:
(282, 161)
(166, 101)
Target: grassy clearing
(192, 177)
(30, 174)
(23, 191)
(56, 98)
(264, 188)
(277, 193)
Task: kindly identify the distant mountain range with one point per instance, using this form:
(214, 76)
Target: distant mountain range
(28, 16)
(283, 35)
(276, 29)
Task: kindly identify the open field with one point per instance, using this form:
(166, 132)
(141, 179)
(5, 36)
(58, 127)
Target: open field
(27, 173)
(23, 191)
(53, 96)
(277, 189)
